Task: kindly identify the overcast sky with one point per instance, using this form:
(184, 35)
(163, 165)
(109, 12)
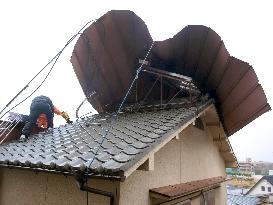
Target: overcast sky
(32, 32)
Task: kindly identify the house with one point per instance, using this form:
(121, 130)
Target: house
(169, 145)
(144, 152)
(264, 187)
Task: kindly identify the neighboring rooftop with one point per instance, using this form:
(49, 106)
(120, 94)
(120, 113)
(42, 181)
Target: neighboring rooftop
(268, 178)
(73, 146)
(242, 200)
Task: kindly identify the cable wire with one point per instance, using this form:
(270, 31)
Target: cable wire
(56, 57)
(115, 115)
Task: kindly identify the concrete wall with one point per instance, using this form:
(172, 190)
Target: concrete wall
(21, 187)
(194, 156)
(257, 190)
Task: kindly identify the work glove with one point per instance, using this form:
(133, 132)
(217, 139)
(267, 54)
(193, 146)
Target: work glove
(66, 117)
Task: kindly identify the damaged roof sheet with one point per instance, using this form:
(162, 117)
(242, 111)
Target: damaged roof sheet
(106, 56)
(72, 147)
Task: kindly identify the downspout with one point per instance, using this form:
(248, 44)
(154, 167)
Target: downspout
(80, 178)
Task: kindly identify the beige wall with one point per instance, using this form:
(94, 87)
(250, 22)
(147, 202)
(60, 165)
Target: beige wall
(194, 156)
(21, 187)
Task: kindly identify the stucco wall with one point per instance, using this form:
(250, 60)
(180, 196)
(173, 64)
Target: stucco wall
(20, 187)
(257, 189)
(193, 156)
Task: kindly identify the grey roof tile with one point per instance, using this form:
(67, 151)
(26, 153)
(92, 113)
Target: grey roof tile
(112, 165)
(125, 141)
(153, 135)
(130, 150)
(103, 157)
(122, 157)
(139, 145)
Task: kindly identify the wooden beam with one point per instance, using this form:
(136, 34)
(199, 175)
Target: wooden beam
(231, 164)
(148, 165)
(193, 123)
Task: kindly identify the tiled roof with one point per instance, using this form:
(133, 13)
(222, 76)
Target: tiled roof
(183, 189)
(242, 200)
(73, 146)
(269, 178)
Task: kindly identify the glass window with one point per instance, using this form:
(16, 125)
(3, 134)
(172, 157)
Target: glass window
(262, 188)
(269, 189)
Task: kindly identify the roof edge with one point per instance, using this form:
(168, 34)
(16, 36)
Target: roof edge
(170, 136)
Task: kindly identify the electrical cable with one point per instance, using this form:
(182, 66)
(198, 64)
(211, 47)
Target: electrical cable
(56, 57)
(115, 115)
(86, 98)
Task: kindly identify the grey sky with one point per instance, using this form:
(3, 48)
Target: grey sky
(32, 32)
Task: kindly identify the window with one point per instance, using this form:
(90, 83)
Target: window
(262, 188)
(269, 189)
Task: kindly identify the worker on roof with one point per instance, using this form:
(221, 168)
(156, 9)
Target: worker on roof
(41, 114)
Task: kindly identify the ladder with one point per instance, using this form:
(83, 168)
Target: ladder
(8, 124)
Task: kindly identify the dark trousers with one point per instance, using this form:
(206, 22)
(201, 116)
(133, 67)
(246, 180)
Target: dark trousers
(36, 109)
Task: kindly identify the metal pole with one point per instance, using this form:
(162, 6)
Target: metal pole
(161, 90)
(136, 91)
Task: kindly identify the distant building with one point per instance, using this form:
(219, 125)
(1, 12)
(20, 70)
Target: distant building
(246, 167)
(262, 168)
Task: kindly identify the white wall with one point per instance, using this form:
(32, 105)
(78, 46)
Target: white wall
(257, 189)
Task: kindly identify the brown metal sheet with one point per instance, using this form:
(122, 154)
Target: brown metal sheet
(16, 133)
(211, 47)
(244, 112)
(233, 74)
(244, 87)
(196, 40)
(108, 59)
(219, 66)
(106, 55)
(178, 190)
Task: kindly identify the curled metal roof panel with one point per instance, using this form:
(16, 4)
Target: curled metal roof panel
(106, 56)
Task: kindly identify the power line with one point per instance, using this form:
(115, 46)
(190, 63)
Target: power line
(55, 59)
(115, 115)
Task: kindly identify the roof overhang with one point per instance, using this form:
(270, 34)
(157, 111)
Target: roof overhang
(216, 129)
